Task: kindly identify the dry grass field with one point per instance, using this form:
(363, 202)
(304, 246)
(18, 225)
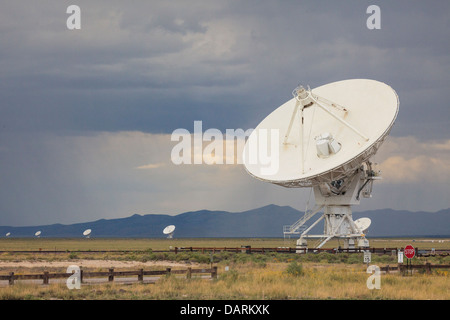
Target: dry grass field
(73, 244)
(240, 276)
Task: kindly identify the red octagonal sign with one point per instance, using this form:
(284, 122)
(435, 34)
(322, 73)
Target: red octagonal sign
(409, 251)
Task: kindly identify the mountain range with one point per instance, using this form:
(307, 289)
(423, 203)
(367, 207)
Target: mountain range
(267, 221)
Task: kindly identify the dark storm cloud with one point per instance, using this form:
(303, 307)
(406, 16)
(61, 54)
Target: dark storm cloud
(130, 63)
(69, 98)
(127, 66)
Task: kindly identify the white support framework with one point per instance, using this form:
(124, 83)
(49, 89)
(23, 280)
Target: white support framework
(336, 198)
(299, 227)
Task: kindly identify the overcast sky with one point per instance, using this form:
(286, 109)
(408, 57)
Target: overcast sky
(86, 116)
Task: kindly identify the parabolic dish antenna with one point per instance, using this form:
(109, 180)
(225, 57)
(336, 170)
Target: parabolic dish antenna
(87, 233)
(38, 234)
(323, 138)
(363, 224)
(339, 127)
(169, 230)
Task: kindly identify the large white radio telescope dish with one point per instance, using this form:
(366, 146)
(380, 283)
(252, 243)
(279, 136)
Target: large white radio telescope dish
(324, 138)
(341, 125)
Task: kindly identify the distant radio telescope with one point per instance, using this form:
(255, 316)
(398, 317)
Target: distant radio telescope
(363, 224)
(87, 233)
(169, 230)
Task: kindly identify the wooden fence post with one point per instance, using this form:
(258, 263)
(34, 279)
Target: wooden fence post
(46, 277)
(189, 273)
(81, 275)
(141, 275)
(111, 274)
(428, 267)
(168, 271)
(11, 278)
(214, 272)
(400, 268)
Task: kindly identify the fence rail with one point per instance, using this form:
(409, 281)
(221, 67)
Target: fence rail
(404, 267)
(79, 251)
(247, 249)
(110, 274)
(140, 273)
